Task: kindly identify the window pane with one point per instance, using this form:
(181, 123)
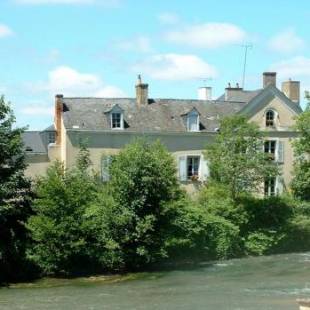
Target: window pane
(270, 118)
(192, 166)
(193, 123)
(116, 120)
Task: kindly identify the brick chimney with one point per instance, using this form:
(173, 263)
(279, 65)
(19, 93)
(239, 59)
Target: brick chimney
(292, 90)
(141, 92)
(231, 92)
(269, 78)
(58, 117)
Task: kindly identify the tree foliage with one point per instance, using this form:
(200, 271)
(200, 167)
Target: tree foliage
(15, 196)
(58, 226)
(237, 159)
(143, 181)
(301, 181)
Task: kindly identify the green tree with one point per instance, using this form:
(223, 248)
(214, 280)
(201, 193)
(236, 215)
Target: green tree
(58, 227)
(134, 223)
(301, 181)
(15, 196)
(237, 159)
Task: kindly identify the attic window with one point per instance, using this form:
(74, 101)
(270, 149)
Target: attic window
(116, 120)
(29, 149)
(51, 137)
(193, 121)
(270, 118)
(116, 116)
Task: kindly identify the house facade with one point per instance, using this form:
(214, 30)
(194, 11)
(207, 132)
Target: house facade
(185, 127)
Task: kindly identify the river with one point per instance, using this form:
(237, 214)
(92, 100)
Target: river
(259, 283)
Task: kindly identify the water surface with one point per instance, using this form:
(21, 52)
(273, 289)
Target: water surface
(260, 283)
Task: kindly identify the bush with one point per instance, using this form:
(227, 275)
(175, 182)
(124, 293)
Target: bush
(133, 225)
(57, 228)
(262, 241)
(197, 234)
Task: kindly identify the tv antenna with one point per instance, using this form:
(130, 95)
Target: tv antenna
(205, 80)
(246, 47)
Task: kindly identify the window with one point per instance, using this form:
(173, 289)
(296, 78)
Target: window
(116, 121)
(51, 137)
(270, 118)
(105, 168)
(270, 149)
(270, 187)
(193, 121)
(192, 167)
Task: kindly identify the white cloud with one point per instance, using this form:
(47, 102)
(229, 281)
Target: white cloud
(81, 2)
(286, 42)
(167, 18)
(209, 35)
(5, 31)
(70, 82)
(37, 110)
(293, 68)
(137, 44)
(175, 67)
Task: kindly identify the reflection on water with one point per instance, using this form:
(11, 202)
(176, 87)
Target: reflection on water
(263, 283)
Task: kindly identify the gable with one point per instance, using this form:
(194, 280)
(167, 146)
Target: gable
(272, 99)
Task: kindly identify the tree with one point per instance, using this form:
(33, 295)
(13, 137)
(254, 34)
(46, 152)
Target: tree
(237, 158)
(134, 223)
(301, 180)
(58, 227)
(15, 196)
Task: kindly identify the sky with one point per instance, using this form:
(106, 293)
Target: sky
(96, 48)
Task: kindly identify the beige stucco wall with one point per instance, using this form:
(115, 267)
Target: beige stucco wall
(283, 131)
(37, 165)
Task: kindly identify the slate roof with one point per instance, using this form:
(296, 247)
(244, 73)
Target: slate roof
(165, 115)
(33, 142)
(241, 96)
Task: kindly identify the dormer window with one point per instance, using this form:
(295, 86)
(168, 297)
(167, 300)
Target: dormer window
(193, 120)
(270, 118)
(116, 118)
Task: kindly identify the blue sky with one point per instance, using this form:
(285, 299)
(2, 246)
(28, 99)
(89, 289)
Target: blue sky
(97, 48)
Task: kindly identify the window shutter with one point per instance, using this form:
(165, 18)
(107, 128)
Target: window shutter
(280, 151)
(204, 169)
(182, 169)
(105, 168)
(279, 185)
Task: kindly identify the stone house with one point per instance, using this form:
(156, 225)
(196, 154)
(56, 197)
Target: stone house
(184, 126)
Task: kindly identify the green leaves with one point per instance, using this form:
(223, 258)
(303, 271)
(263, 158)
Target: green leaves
(15, 196)
(237, 158)
(301, 181)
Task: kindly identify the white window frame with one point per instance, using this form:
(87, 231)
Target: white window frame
(117, 110)
(49, 135)
(275, 148)
(275, 118)
(191, 114)
(269, 192)
(279, 147)
(203, 168)
(193, 175)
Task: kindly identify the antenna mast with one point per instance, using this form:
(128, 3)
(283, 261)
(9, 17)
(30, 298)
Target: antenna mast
(246, 47)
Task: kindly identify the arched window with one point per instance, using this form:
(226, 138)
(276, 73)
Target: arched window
(270, 118)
